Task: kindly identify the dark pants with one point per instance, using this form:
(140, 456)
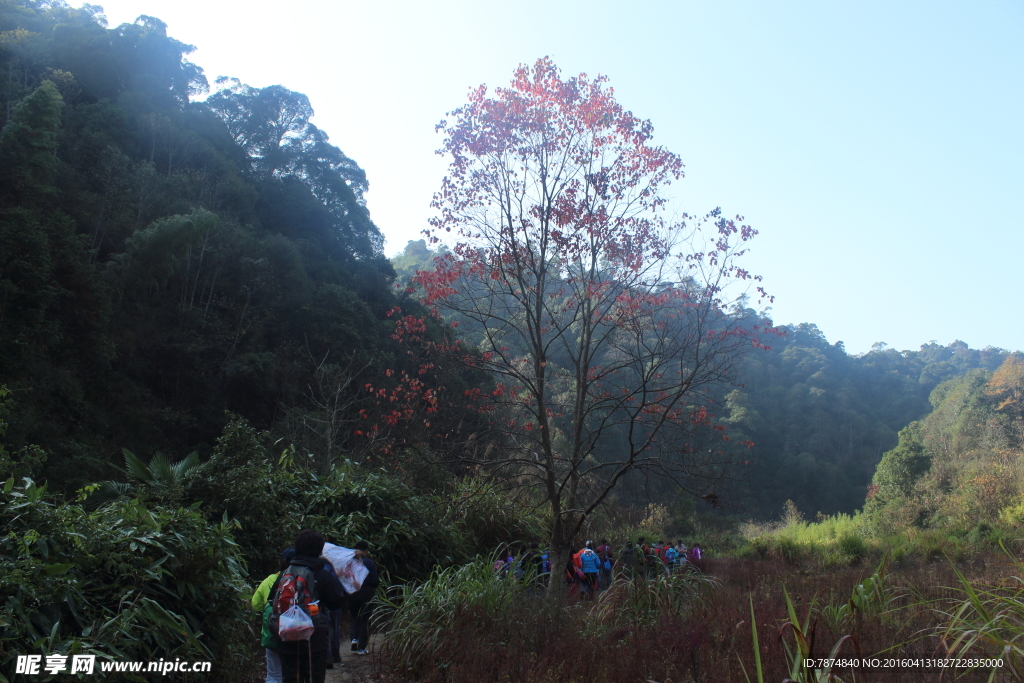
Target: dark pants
(295, 668)
(335, 633)
(359, 618)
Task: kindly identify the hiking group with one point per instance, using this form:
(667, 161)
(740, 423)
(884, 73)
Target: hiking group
(302, 606)
(591, 568)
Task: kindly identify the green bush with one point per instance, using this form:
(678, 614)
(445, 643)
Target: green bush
(241, 483)
(128, 581)
(854, 546)
(408, 533)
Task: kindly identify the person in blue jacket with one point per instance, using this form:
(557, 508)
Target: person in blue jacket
(590, 564)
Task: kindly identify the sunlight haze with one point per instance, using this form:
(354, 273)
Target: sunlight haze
(874, 145)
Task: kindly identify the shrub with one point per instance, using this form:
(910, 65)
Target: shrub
(128, 581)
(240, 482)
(854, 546)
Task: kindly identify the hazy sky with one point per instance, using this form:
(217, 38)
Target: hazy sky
(877, 146)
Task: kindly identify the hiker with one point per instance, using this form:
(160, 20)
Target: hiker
(261, 602)
(573, 574)
(544, 568)
(648, 559)
(670, 558)
(604, 553)
(627, 558)
(697, 556)
(530, 562)
(333, 628)
(681, 551)
(360, 603)
(521, 561)
(309, 583)
(334, 624)
(590, 565)
(503, 562)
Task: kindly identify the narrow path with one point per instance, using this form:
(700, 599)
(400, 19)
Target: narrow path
(353, 668)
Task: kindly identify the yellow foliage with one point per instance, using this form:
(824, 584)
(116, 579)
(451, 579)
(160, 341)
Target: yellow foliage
(1007, 384)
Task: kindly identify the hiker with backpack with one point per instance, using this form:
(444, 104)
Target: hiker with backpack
(627, 559)
(261, 602)
(589, 564)
(604, 554)
(670, 558)
(306, 590)
(544, 568)
(360, 603)
(681, 553)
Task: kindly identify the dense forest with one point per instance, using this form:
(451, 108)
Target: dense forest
(203, 348)
(166, 260)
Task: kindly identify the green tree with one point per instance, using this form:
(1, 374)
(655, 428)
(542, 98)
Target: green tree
(28, 145)
(901, 467)
(599, 325)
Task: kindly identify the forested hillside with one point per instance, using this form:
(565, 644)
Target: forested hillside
(822, 418)
(164, 260)
(959, 467)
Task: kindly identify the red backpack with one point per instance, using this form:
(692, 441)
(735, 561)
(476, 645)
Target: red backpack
(295, 586)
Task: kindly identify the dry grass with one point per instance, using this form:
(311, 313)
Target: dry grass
(708, 639)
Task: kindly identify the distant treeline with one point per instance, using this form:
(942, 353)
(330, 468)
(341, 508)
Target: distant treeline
(820, 418)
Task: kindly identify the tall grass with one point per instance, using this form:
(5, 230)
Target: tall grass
(631, 601)
(752, 618)
(468, 623)
(417, 617)
(836, 541)
(987, 621)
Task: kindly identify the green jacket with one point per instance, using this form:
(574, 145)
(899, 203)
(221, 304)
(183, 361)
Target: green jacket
(261, 601)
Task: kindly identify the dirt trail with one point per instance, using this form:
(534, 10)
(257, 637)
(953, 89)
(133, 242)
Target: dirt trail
(353, 668)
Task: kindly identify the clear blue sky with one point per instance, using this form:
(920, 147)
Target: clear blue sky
(877, 146)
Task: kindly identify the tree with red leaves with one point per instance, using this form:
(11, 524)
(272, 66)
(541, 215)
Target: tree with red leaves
(604, 324)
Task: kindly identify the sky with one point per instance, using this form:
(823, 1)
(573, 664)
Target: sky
(877, 147)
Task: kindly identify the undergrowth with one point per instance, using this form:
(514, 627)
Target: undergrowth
(747, 617)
